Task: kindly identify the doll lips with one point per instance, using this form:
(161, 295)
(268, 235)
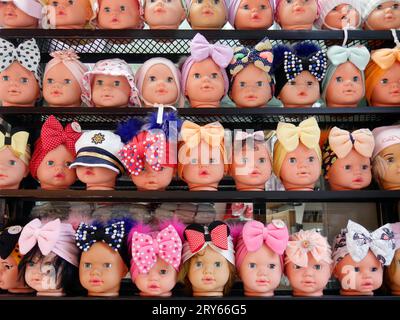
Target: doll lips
(161, 91)
(303, 174)
(308, 283)
(255, 17)
(395, 92)
(255, 173)
(302, 94)
(114, 20)
(299, 10)
(207, 12)
(358, 180)
(95, 282)
(388, 17)
(14, 92)
(56, 93)
(204, 173)
(208, 280)
(206, 87)
(107, 96)
(348, 92)
(59, 176)
(367, 284)
(159, 9)
(154, 286)
(3, 176)
(262, 282)
(251, 97)
(61, 13)
(89, 173)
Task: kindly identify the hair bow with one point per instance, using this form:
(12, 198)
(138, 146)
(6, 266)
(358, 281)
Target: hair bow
(167, 245)
(275, 235)
(359, 56)
(381, 242)
(343, 141)
(385, 58)
(18, 141)
(243, 135)
(192, 134)
(316, 64)
(290, 136)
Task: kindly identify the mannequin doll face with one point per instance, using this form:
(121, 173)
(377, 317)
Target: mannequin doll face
(260, 272)
(297, 14)
(12, 170)
(164, 14)
(150, 179)
(300, 169)
(18, 87)
(110, 91)
(303, 91)
(386, 16)
(16, 18)
(2, 8)
(53, 172)
(393, 274)
(345, 88)
(159, 281)
(311, 280)
(251, 167)
(391, 157)
(120, 14)
(71, 14)
(101, 270)
(97, 178)
(207, 14)
(387, 89)
(254, 14)
(350, 173)
(60, 88)
(208, 273)
(9, 279)
(159, 85)
(251, 87)
(205, 84)
(359, 278)
(343, 15)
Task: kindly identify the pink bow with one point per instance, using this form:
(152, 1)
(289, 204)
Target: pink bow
(167, 245)
(342, 142)
(275, 235)
(45, 235)
(243, 135)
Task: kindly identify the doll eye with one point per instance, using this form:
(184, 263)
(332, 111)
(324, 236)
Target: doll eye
(216, 1)
(217, 264)
(317, 266)
(31, 264)
(272, 266)
(193, 161)
(196, 75)
(242, 84)
(263, 7)
(8, 267)
(68, 163)
(87, 265)
(262, 160)
(365, 167)
(252, 265)
(71, 2)
(54, 3)
(297, 267)
(170, 79)
(356, 269)
(214, 75)
(107, 9)
(259, 83)
(122, 8)
(50, 81)
(379, 7)
(244, 160)
(24, 80)
(292, 160)
(161, 169)
(152, 78)
(395, 6)
(6, 78)
(12, 162)
(292, 82)
(311, 159)
(99, 82)
(199, 264)
(355, 79)
(107, 265)
(339, 79)
(384, 81)
(246, 7)
(374, 269)
(163, 271)
(50, 163)
(212, 161)
(67, 81)
(310, 83)
(390, 160)
(117, 83)
(289, 1)
(347, 167)
(199, 1)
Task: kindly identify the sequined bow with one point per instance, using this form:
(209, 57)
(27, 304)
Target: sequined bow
(343, 141)
(18, 141)
(359, 56)
(385, 58)
(192, 134)
(315, 64)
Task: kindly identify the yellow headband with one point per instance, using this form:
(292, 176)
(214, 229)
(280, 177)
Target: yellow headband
(18, 143)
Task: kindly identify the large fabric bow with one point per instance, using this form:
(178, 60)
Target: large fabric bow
(243, 135)
(381, 242)
(167, 245)
(343, 141)
(316, 64)
(359, 56)
(113, 235)
(201, 49)
(18, 141)
(385, 58)
(290, 136)
(275, 235)
(192, 134)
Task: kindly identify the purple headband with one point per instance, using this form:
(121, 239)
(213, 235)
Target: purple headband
(234, 6)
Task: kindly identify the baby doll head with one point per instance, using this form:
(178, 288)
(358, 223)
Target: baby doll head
(297, 14)
(346, 159)
(343, 85)
(359, 257)
(259, 256)
(50, 261)
(204, 78)
(120, 14)
(392, 272)
(207, 14)
(23, 14)
(297, 155)
(381, 14)
(299, 71)
(208, 259)
(251, 83)
(53, 154)
(308, 263)
(160, 14)
(339, 14)
(111, 83)
(251, 14)
(20, 74)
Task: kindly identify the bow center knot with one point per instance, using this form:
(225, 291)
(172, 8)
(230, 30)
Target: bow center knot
(265, 233)
(305, 244)
(352, 140)
(156, 246)
(207, 237)
(37, 232)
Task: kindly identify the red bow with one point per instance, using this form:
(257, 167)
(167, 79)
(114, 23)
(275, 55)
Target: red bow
(218, 236)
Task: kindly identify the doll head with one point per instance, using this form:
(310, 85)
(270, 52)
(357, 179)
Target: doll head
(382, 78)
(161, 14)
(153, 146)
(296, 14)
(14, 157)
(97, 163)
(251, 14)
(207, 14)
(297, 156)
(23, 14)
(258, 256)
(359, 257)
(201, 156)
(343, 85)
(386, 157)
(208, 259)
(346, 159)
(159, 82)
(20, 74)
(54, 152)
(105, 259)
(392, 272)
(50, 261)
(120, 14)
(381, 14)
(156, 274)
(251, 83)
(111, 83)
(339, 14)
(204, 78)
(62, 80)
(308, 263)
(66, 14)
(251, 161)
(299, 72)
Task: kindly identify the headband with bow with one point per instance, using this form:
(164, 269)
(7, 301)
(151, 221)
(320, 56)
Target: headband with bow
(17, 141)
(9, 243)
(357, 241)
(243, 135)
(192, 134)
(52, 236)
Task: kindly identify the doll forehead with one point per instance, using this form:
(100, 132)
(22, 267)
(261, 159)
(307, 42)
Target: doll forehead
(301, 152)
(59, 71)
(262, 254)
(386, 4)
(214, 3)
(352, 158)
(101, 252)
(393, 72)
(347, 69)
(367, 262)
(208, 254)
(204, 67)
(293, 2)
(393, 150)
(159, 70)
(203, 150)
(115, 3)
(60, 153)
(109, 78)
(256, 2)
(18, 69)
(251, 73)
(305, 76)
(257, 148)
(6, 152)
(10, 260)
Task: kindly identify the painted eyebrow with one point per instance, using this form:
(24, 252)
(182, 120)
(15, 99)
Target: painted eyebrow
(388, 154)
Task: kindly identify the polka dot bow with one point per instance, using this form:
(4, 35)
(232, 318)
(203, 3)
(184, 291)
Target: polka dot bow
(167, 245)
(316, 64)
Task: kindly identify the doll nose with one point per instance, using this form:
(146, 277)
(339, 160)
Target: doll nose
(388, 10)
(95, 272)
